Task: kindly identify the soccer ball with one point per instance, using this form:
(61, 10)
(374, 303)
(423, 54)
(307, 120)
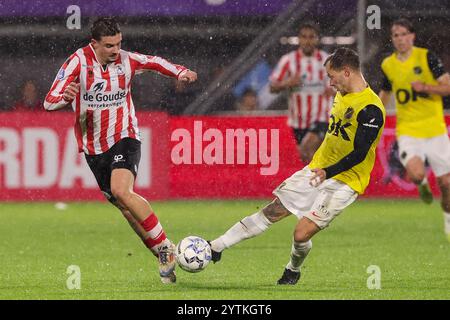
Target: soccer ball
(193, 254)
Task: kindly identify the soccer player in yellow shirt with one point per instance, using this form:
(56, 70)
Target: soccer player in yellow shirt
(418, 80)
(338, 173)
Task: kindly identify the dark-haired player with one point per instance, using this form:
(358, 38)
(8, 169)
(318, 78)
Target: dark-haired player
(418, 80)
(301, 73)
(96, 82)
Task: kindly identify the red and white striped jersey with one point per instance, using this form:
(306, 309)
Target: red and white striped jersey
(104, 109)
(307, 103)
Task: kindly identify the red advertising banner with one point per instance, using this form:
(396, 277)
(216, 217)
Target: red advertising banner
(240, 157)
(39, 158)
(229, 157)
(388, 178)
(182, 157)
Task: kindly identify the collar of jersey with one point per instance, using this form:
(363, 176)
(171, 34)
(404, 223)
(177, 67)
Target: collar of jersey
(353, 94)
(414, 48)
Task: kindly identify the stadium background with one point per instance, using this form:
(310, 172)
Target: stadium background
(232, 45)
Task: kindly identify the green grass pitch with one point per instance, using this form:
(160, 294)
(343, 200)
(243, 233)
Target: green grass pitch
(404, 239)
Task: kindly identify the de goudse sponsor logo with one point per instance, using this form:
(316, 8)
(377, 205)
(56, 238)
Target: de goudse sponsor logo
(236, 146)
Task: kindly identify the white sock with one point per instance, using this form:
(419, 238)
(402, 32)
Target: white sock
(299, 252)
(424, 181)
(447, 222)
(249, 227)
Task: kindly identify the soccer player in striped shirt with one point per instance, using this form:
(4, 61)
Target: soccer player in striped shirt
(96, 82)
(301, 73)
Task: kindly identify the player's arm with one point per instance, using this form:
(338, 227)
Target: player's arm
(141, 63)
(442, 77)
(442, 88)
(277, 86)
(66, 86)
(370, 121)
(386, 89)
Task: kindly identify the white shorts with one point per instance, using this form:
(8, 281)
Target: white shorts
(319, 204)
(436, 150)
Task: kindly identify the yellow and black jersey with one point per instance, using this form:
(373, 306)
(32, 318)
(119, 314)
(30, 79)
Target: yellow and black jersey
(419, 115)
(347, 153)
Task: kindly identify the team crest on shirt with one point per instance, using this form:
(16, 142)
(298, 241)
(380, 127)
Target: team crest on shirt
(120, 70)
(99, 86)
(60, 74)
(349, 113)
(417, 70)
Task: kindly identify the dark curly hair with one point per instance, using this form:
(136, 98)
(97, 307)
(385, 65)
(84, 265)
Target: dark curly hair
(104, 27)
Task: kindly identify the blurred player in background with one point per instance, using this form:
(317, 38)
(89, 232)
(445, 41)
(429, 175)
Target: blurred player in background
(339, 171)
(301, 73)
(417, 78)
(96, 82)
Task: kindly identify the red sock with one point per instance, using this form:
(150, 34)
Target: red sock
(155, 232)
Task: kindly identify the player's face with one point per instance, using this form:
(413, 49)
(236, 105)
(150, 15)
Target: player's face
(402, 39)
(308, 40)
(338, 79)
(107, 49)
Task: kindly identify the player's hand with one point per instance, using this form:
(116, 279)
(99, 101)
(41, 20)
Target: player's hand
(418, 86)
(293, 82)
(188, 76)
(319, 176)
(71, 91)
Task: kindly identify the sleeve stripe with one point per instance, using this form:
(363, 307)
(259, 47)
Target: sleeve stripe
(140, 62)
(54, 97)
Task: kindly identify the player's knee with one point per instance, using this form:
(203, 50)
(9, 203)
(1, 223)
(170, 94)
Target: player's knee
(301, 236)
(121, 194)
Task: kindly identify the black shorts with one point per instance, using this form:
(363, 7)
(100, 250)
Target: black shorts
(319, 128)
(125, 154)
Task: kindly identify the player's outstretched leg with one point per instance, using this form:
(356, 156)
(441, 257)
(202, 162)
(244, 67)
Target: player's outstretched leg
(146, 222)
(156, 242)
(249, 227)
